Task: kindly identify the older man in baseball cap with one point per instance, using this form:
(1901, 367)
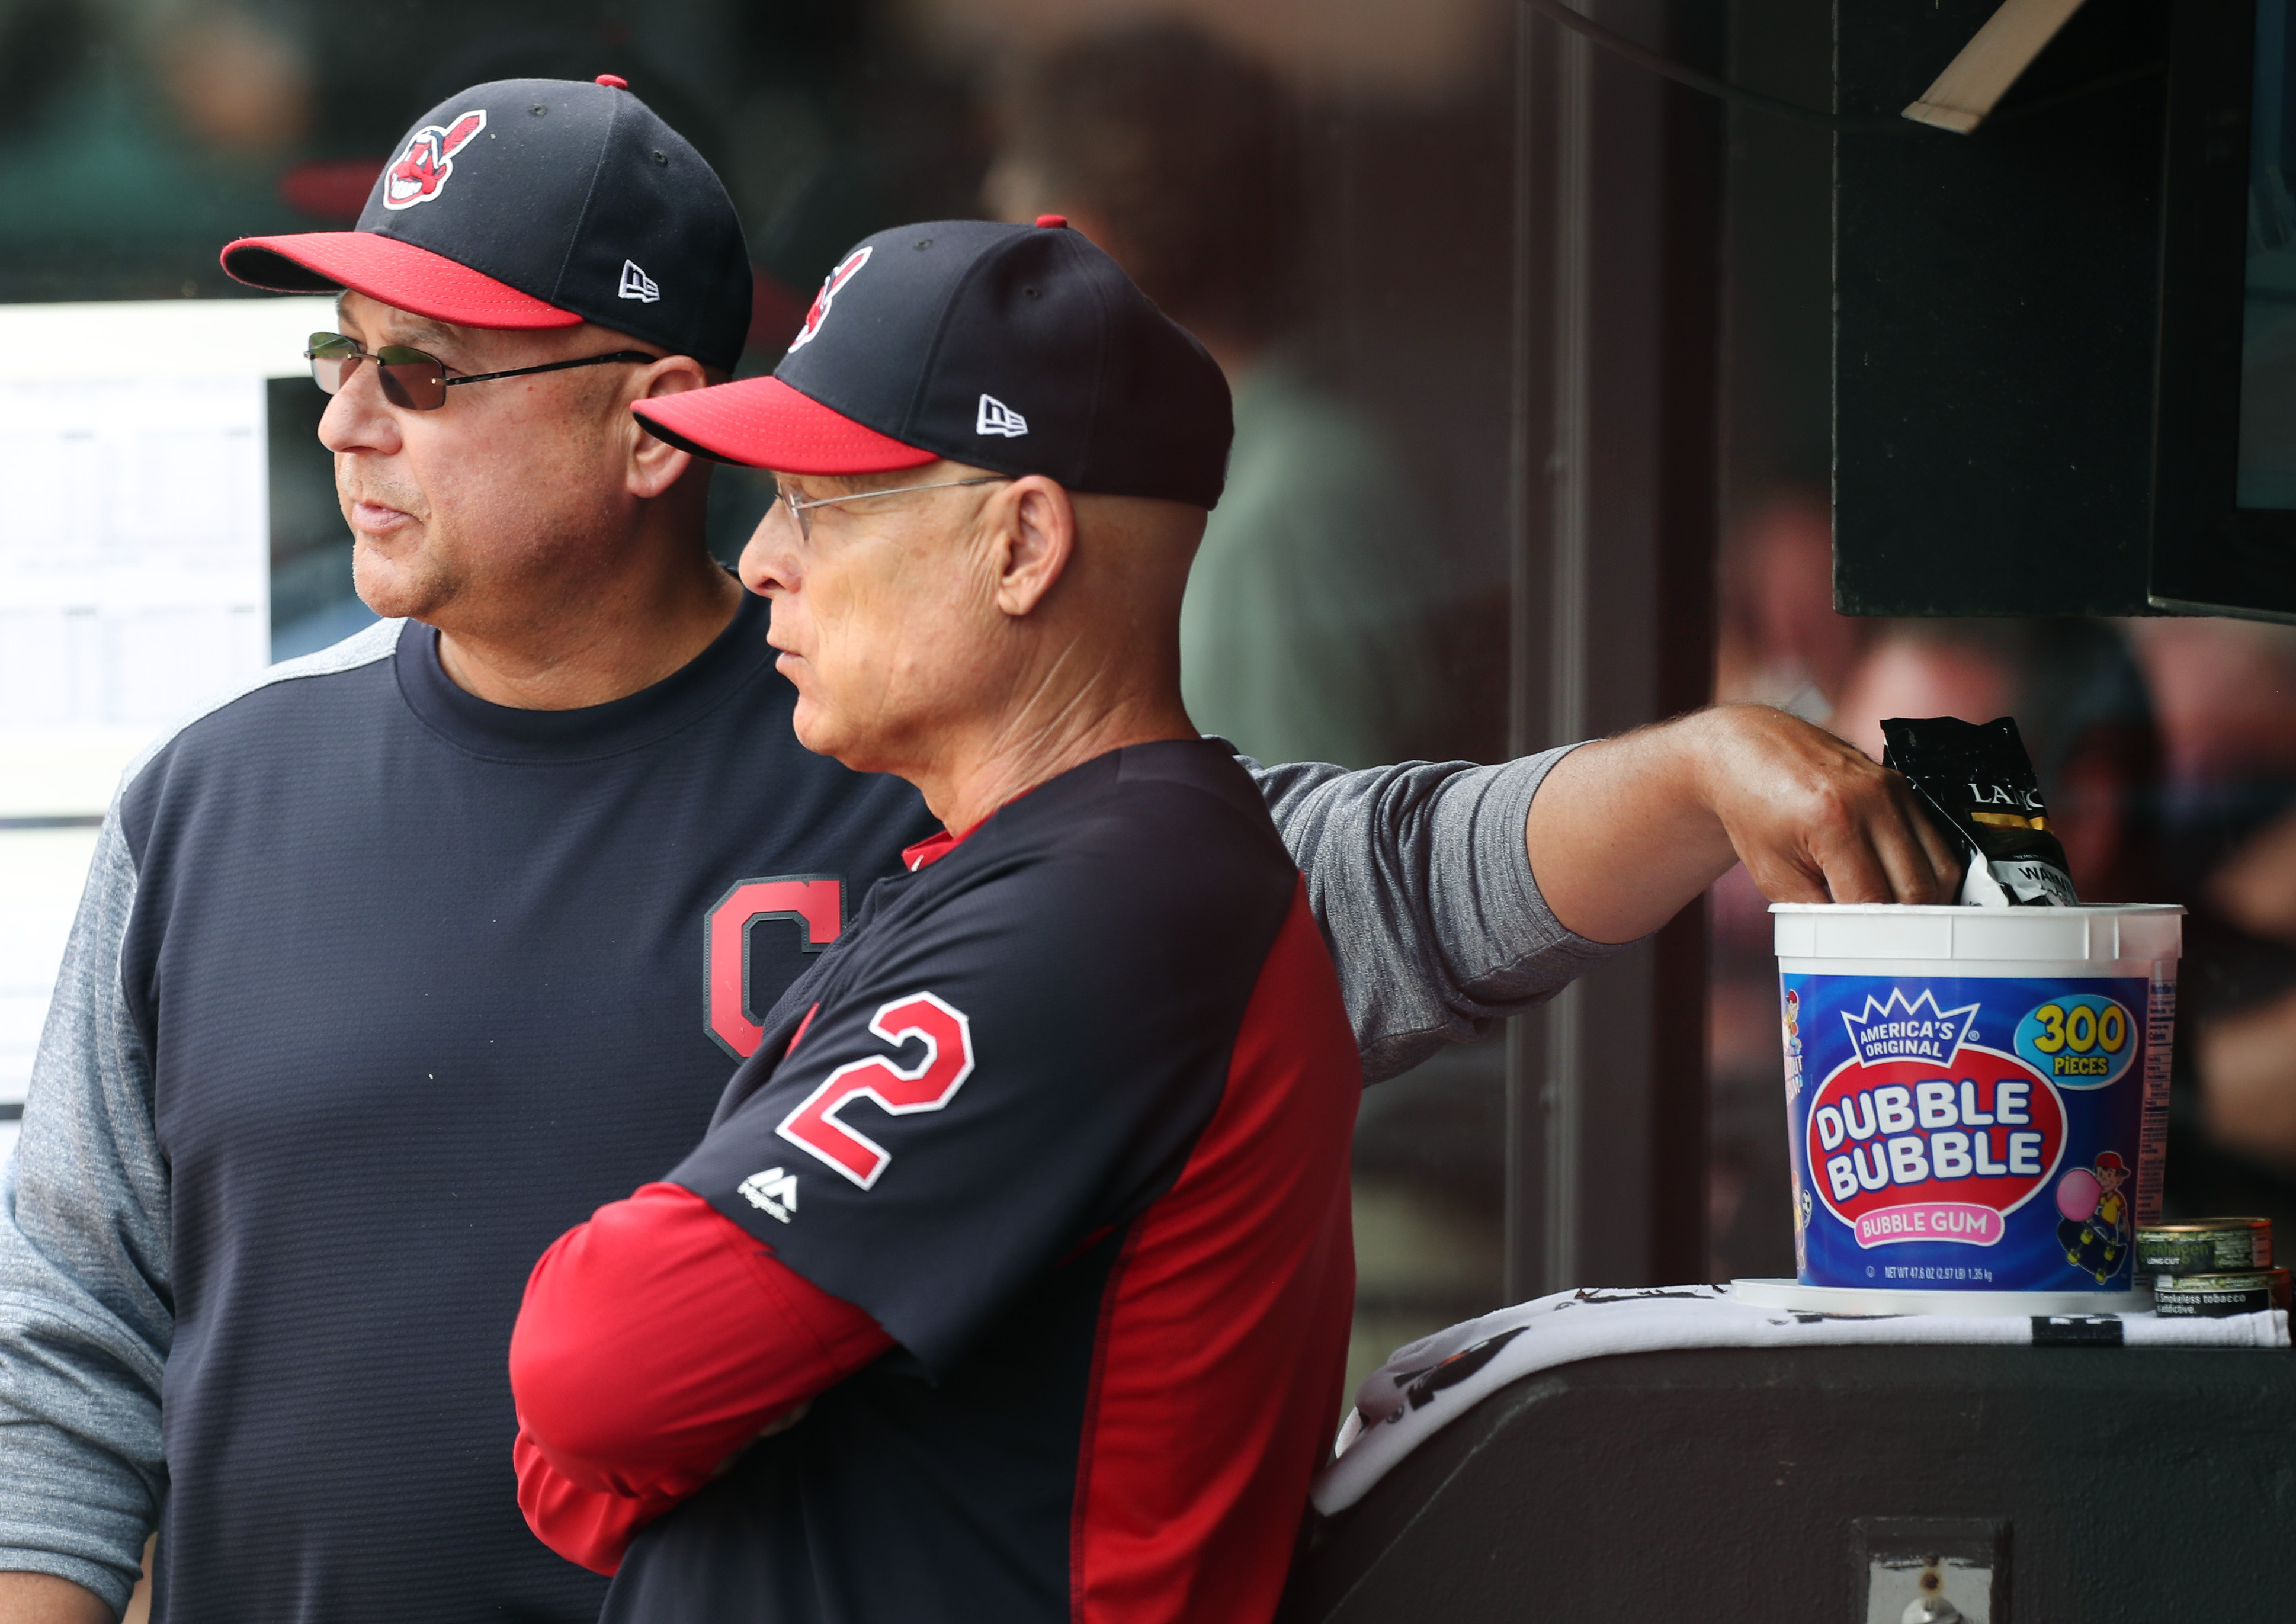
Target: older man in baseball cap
(401, 960)
(1044, 1211)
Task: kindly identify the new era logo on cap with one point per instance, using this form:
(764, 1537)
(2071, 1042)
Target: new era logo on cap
(995, 417)
(636, 284)
(938, 329)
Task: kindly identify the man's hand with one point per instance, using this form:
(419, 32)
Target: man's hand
(42, 1598)
(1624, 831)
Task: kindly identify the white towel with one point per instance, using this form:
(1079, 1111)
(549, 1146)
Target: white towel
(1429, 1384)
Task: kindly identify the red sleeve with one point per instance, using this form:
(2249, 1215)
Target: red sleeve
(656, 1341)
(584, 1525)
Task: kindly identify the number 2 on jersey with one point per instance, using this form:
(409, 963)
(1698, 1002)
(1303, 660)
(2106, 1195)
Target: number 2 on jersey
(816, 1127)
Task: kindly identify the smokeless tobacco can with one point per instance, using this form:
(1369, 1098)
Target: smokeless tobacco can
(1976, 1097)
(2216, 1296)
(2203, 1246)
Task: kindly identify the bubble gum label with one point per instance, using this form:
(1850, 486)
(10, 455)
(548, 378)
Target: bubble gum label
(1974, 1133)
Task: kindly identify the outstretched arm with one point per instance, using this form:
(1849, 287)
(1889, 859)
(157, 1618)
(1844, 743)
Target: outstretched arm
(1422, 889)
(1626, 831)
(1453, 896)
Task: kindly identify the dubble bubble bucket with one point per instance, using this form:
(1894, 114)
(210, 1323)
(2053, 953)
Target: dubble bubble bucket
(1977, 1100)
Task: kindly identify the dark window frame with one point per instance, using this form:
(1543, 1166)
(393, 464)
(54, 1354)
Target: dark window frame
(2208, 555)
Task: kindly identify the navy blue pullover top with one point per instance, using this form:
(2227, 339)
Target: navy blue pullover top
(378, 987)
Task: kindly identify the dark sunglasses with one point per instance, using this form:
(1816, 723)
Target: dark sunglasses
(414, 380)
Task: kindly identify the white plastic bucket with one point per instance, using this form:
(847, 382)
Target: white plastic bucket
(1977, 1098)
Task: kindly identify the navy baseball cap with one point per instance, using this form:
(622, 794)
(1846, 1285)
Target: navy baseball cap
(537, 204)
(1022, 349)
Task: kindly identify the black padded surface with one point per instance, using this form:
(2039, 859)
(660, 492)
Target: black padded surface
(1721, 1485)
(1995, 302)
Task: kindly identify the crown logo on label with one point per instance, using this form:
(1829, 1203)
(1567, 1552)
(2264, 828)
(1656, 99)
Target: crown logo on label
(1900, 1030)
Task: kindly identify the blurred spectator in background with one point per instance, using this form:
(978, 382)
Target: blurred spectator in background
(2247, 1052)
(2227, 695)
(2225, 691)
(239, 83)
(127, 124)
(1780, 642)
(1303, 636)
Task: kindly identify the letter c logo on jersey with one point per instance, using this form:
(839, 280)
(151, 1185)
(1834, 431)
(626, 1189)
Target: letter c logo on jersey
(817, 1128)
(428, 160)
(813, 903)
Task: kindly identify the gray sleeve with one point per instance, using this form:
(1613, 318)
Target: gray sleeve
(1421, 880)
(85, 1305)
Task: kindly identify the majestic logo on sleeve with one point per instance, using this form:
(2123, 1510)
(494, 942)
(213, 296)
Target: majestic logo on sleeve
(429, 161)
(773, 1193)
(830, 287)
(817, 1126)
(1924, 1134)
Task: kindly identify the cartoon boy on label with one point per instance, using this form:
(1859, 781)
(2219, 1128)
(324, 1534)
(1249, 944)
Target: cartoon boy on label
(2095, 1233)
(1793, 1044)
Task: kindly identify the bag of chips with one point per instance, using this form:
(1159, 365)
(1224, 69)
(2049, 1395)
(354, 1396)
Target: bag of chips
(1976, 783)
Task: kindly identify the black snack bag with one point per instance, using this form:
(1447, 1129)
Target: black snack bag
(1976, 783)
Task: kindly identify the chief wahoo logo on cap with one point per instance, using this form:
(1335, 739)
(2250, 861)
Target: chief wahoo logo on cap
(428, 160)
(821, 300)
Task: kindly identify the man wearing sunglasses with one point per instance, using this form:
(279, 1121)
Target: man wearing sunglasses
(387, 971)
(414, 380)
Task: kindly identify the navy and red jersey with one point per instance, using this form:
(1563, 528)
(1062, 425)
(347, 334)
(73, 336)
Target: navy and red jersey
(421, 981)
(1038, 1177)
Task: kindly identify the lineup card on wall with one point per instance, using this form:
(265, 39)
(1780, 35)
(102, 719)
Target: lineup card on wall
(134, 579)
(134, 559)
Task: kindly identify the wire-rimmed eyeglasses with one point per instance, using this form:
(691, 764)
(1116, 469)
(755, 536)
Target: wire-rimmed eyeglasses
(799, 507)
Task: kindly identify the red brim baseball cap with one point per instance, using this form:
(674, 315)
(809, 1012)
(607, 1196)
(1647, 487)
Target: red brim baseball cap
(1014, 350)
(538, 203)
(762, 423)
(394, 270)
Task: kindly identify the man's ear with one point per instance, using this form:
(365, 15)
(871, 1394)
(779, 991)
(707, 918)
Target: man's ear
(1036, 538)
(656, 465)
